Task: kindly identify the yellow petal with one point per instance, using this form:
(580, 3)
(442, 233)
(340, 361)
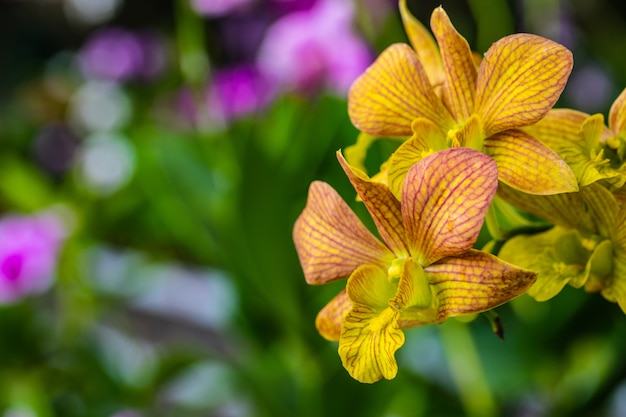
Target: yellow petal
(616, 292)
(445, 198)
(414, 297)
(424, 45)
(393, 92)
(459, 87)
(617, 114)
(330, 239)
(603, 209)
(330, 318)
(589, 211)
(619, 235)
(475, 282)
(426, 139)
(370, 335)
(355, 154)
(519, 80)
(538, 252)
(382, 205)
(558, 127)
(470, 135)
(528, 165)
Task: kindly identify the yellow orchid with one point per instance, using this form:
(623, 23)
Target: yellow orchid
(587, 246)
(423, 273)
(594, 151)
(440, 99)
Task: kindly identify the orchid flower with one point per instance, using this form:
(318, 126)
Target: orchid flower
(29, 248)
(422, 272)
(594, 151)
(441, 99)
(586, 248)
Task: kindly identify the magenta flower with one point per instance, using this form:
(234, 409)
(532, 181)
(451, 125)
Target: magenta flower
(120, 55)
(29, 246)
(216, 8)
(236, 92)
(315, 48)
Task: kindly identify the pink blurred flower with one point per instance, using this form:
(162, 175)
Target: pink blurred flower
(313, 49)
(215, 8)
(281, 7)
(119, 54)
(28, 254)
(237, 91)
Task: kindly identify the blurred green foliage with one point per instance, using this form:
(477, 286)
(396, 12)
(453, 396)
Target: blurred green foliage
(226, 201)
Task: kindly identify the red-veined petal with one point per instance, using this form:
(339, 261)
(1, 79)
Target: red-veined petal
(445, 198)
(459, 87)
(393, 92)
(617, 114)
(330, 318)
(330, 239)
(424, 45)
(475, 282)
(382, 205)
(528, 165)
(370, 335)
(519, 80)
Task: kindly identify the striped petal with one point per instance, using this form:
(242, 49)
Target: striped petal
(371, 334)
(382, 205)
(539, 253)
(528, 165)
(459, 87)
(445, 198)
(331, 317)
(616, 292)
(475, 282)
(559, 127)
(519, 80)
(393, 92)
(330, 239)
(592, 210)
(617, 114)
(426, 139)
(424, 45)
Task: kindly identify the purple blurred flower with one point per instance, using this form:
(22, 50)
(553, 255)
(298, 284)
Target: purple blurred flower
(215, 8)
(289, 6)
(313, 49)
(28, 254)
(237, 91)
(118, 54)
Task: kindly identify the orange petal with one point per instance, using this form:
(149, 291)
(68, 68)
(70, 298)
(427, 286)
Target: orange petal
(393, 92)
(424, 45)
(370, 335)
(474, 282)
(528, 165)
(426, 139)
(459, 87)
(330, 239)
(519, 80)
(445, 198)
(382, 206)
(330, 318)
(617, 114)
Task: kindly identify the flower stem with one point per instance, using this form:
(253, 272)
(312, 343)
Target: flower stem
(467, 370)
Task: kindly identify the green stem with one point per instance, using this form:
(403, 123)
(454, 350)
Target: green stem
(193, 60)
(467, 370)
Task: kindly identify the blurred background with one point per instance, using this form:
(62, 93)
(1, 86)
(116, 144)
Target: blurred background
(153, 159)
